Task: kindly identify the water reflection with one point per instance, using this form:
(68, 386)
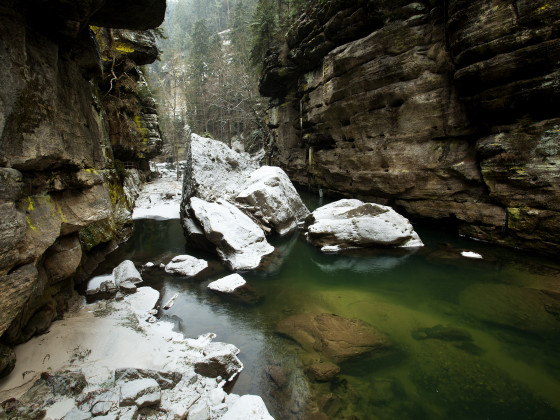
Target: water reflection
(509, 308)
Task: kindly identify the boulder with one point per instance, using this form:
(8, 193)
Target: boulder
(352, 223)
(220, 359)
(334, 337)
(271, 197)
(186, 265)
(323, 372)
(248, 407)
(235, 287)
(140, 392)
(126, 271)
(239, 241)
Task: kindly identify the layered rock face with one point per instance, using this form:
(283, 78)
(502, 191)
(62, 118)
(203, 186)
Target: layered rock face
(62, 193)
(445, 110)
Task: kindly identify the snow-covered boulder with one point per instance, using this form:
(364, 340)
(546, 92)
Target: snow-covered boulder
(353, 223)
(271, 197)
(126, 271)
(248, 407)
(234, 286)
(186, 265)
(220, 359)
(240, 243)
(140, 392)
(214, 170)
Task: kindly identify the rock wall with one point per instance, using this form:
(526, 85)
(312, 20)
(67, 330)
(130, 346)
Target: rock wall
(64, 194)
(446, 110)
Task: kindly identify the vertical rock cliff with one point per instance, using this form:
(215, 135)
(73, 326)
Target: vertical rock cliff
(72, 116)
(444, 109)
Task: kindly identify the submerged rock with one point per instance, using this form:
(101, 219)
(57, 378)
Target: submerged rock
(336, 338)
(235, 286)
(186, 265)
(323, 372)
(239, 241)
(353, 223)
(523, 309)
(440, 332)
(271, 197)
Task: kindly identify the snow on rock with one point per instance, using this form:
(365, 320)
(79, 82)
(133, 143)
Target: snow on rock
(271, 197)
(140, 392)
(248, 407)
(219, 360)
(227, 284)
(239, 241)
(126, 271)
(470, 254)
(186, 265)
(101, 285)
(214, 170)
(352, 223)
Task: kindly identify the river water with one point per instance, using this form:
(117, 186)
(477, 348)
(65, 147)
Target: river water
(493, 353)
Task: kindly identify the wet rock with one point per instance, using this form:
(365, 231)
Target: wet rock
(7, 360)
(440, 332)
(140, 392)
(248, 407)
(336, 338)
(239, 241)
(352, 223)
(269, 194)
(101, 287)
(186, 265)
(277, 375)
(323, 372)
(127, 287)
(104, 402)
(523, 309)
(14, 409)
(236, 288)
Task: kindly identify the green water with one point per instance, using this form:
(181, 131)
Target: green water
(509, 303)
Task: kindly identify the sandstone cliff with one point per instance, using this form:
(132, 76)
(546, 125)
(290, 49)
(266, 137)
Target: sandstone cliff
(447, 110)
(70, 114)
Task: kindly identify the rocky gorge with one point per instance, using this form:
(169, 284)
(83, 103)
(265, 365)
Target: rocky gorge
(75, 115)
(445, 110)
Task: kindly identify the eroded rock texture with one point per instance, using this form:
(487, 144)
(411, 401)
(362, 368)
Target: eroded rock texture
(63, 193)
(445, 109)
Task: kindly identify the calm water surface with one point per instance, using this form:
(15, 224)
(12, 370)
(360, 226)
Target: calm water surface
(509, 303)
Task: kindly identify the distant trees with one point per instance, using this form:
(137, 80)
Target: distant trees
(211, 57)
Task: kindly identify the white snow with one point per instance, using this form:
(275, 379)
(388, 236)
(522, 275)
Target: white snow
(248, 407)
(470, 254)
(227, 284)
(159, 199)
(239, 241)
(99, 284)
(186, 265)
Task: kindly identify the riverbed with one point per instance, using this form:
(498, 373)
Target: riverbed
(504, 307)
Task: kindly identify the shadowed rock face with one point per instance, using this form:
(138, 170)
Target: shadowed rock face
(442, 109)
(60, 193)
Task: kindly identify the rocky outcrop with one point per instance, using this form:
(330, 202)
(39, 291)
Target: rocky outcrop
(445, 110)
(353, 224)
(63, 193)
